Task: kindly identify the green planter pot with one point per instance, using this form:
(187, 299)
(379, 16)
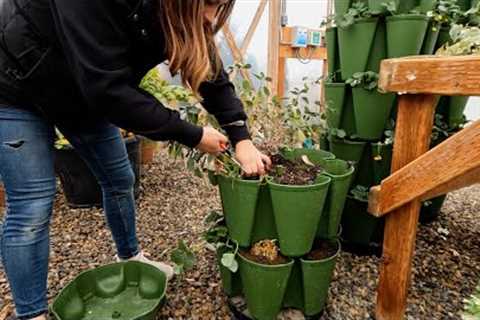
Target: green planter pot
(430, 41)
(347, 150)
(294, 293)
(335, 98)
(376, 6)
(355, 43)
(405, 6)
(364, 169)
(372, 110)
(379, 48)
(331, 39)
(382, 161)
(443, 37)
(317, 276)
(297, 211)
(358, 226)
(456, 110)
(231, 282)
(342, 6)
(316, 156)
(264, 226)
(427, 5)
(264, 287)
(405, 34)
(348, 116)
(324, 142)
(475, 20)
(341, 174)
(239, 201)
(125, 291)
(431, 209)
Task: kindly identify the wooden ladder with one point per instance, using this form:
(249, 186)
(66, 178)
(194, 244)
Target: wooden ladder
(419, 175)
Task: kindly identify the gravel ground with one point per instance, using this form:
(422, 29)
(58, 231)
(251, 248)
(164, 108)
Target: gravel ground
(172, 206)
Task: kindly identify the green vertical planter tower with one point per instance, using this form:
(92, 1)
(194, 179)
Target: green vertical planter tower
(355, 42)
(342, 6)
(331, 38)
(405, 34)
(430, 41)
(297, 211)
(347, 150)
(372, 110)
(264, 287)
(239, 200)
(335, 99)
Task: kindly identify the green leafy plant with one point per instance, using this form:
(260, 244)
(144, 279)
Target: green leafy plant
(368, 80)
(390, 7)
(466, 41)
(217, 238)
(360, 193)
(445, 13)
(338, 133)
(358, 10)
(183, 258)
(472, 306)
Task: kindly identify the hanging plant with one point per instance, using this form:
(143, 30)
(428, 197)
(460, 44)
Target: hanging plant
(368, 80)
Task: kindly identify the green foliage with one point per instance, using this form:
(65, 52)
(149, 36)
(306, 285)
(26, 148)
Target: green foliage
(183, 258)
(360, 193)
(445, 13)
(358, 10)
(338, 133)
(472, 306)
(368, 80)
(466, 41)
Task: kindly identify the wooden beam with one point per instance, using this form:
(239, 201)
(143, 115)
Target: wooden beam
(414, 127)
(452, 75)
(275, 9)
(253, 27)
(434, 172)
(467, 179)
(237, 55)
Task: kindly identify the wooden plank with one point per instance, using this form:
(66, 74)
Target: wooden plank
(275, 9)
(434, 172)
(467, 179)
(414, 127)
(453, 75)
(253, 27)
(282, 77)
(303, 53)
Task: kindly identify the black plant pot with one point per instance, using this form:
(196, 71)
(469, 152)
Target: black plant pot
(80, 186)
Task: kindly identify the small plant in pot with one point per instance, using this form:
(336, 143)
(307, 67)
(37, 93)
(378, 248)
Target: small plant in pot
(264, 273)
(356, 31)
(372, 108)
(298, 190)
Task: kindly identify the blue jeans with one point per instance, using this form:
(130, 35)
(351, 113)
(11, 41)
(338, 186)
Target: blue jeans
(27, 171)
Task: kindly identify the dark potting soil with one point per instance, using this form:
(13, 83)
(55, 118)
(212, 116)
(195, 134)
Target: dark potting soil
(322, 250)
(263, 260)
(295, 173)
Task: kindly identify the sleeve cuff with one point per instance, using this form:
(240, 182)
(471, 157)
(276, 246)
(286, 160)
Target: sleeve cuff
(189, 134)
(237, 134)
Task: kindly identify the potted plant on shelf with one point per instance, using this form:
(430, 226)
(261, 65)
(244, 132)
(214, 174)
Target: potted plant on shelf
(80, 186)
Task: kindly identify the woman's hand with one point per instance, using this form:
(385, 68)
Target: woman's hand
(253, 162)
(212, 141)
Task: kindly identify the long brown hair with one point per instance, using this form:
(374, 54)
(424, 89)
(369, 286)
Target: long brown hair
(190, 39)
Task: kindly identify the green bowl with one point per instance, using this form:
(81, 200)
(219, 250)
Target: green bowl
(121, 291)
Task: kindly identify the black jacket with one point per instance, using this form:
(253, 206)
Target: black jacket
(80, 62)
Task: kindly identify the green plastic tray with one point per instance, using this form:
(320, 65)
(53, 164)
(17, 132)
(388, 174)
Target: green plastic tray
(120, 291)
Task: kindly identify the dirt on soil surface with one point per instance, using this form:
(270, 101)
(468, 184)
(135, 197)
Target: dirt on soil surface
(322, 250)
(294, 173)
(264, 260)
(173, 205)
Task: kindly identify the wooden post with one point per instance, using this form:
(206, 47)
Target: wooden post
(274, 28)
(412, 139)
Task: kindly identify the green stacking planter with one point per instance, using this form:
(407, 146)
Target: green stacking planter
(443, 37)
(342, 6)
(405, 34)
(317, 276)
(456, 110)
(355, 42)
(331, 38)
(335, 99)
(297, 211)
(382, 160)
(430, 41)
(123, 291)
(264, 226)
(376, 6)
(347, 150)
(427, 5)
(264, 287)
(341, 174)
(372, 110)
(294, 293)
(231, 282)
(239, 200)
(379, 48)
(405, 6)
(316, 156)
(348, 115)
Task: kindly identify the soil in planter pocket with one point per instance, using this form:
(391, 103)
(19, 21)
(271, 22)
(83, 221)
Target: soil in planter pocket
(293, 173)
(265, 252)
(322, 250)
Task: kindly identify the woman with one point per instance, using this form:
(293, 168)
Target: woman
(76, 65)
